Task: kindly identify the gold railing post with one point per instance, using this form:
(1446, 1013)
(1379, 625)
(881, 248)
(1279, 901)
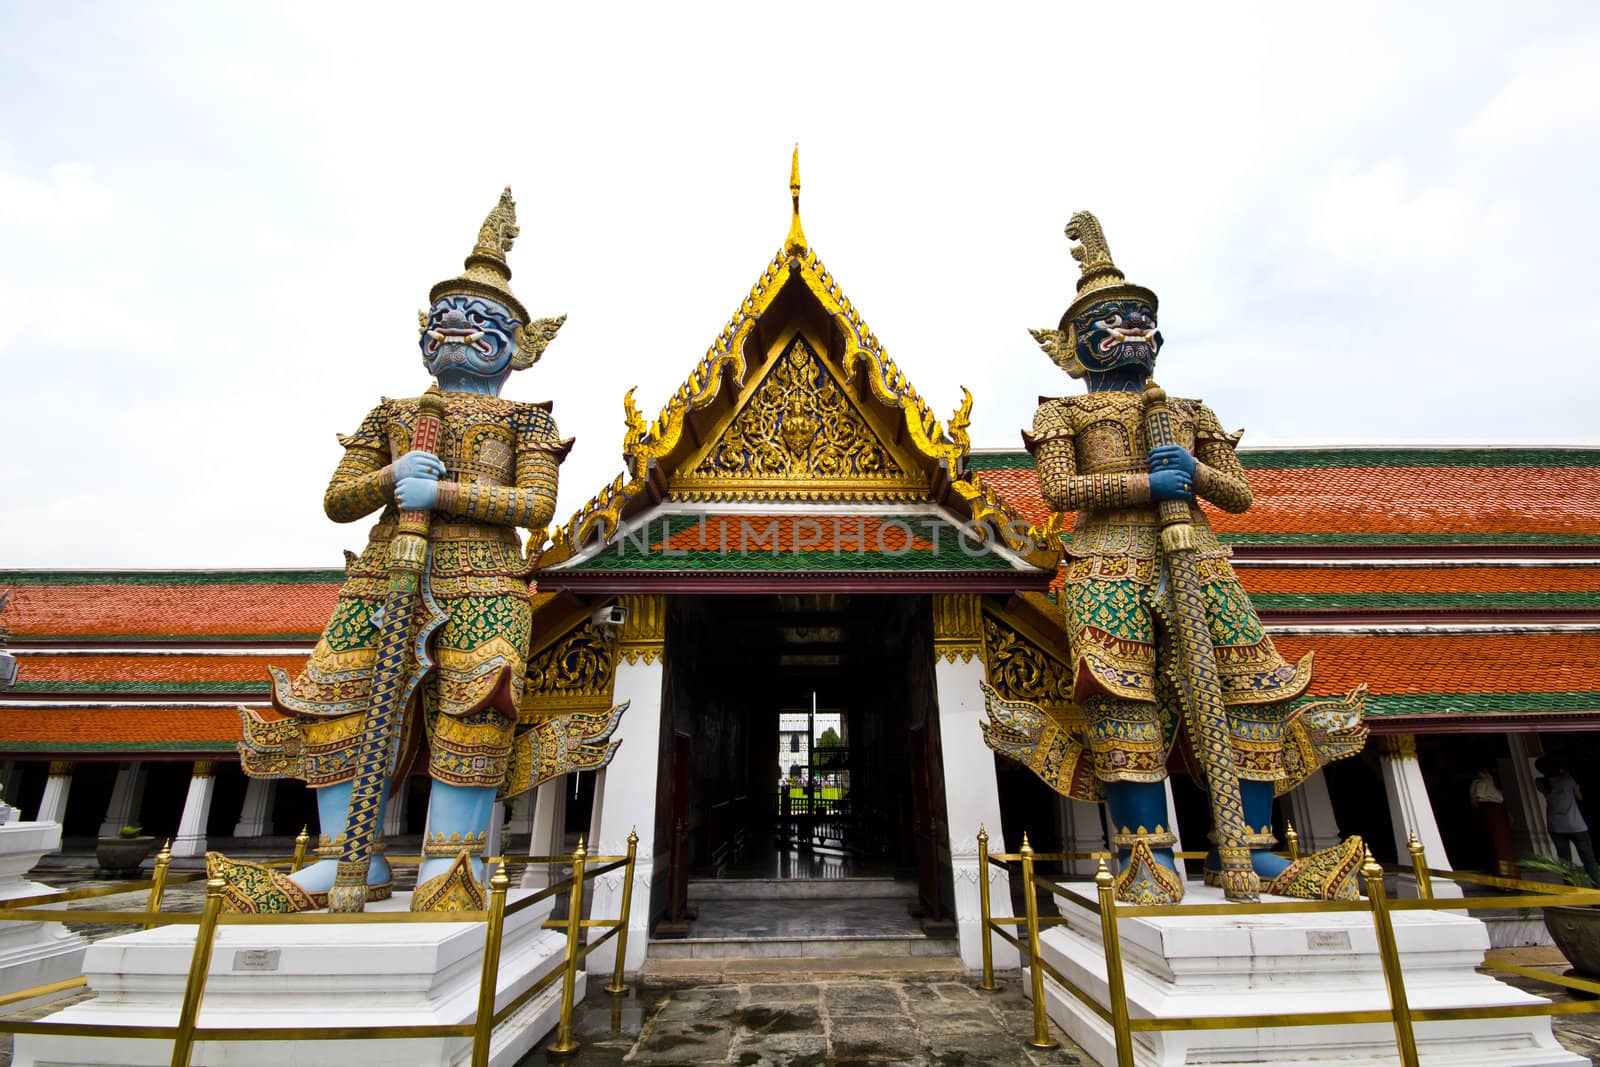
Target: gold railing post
(616, 988)
(1041, 1021)
(983, 907)
(1291, 840)
(1419, 868)
(199, 965)
(1389, 956)
(1116, 988)
(158, 880)
(300, 844)
(483, 1025)
(564, 1042)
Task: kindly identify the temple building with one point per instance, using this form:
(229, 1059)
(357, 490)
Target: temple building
(798, 533)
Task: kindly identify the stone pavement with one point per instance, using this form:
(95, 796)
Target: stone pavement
(832, 1022)
(790, 1012)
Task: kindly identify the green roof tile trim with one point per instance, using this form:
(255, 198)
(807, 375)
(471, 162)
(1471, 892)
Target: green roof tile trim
(263, 686)
(160, 639)
(1309, 458)
(1446, 705)
(944, 554)
(221, 744)
(186, 578)
(1335, 538)
(1290, 601)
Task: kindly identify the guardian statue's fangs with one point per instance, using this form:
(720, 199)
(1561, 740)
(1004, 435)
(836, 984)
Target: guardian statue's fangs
(428, 644)
(1168, 656)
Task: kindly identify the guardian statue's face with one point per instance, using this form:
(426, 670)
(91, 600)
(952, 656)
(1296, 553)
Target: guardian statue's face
(468, 335)
(1117, 333)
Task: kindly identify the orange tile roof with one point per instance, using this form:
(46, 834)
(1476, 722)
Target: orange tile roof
(1383, 500)
(139, 728)
(1474, 579)
(1477, 663)
(178, 669)
(254, 610)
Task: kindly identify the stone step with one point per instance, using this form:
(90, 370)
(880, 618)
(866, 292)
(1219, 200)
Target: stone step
(896, 946)
(659, 973)
(702, 889)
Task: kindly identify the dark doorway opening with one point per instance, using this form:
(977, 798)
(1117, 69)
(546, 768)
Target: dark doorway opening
(764, 795)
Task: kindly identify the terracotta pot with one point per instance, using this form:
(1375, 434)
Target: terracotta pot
(123, 855)
(1576, 932)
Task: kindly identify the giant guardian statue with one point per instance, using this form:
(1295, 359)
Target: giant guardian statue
(425, 655)
(1170, 664)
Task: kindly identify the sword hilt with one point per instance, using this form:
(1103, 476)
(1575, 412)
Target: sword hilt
(1177, 532)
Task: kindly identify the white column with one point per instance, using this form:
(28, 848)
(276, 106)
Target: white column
(972, 799)
(521, 824)
(625, 792)
(394, 816)
(191, 839)
(256, 812)
(53, 805)
(123, 808)
(1524, 802)
(1311, 811)
(549, 816)
(1082, 831)
(497, 820)
(1410, 810)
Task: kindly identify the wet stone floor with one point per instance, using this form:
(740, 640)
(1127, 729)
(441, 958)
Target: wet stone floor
(825, 1023)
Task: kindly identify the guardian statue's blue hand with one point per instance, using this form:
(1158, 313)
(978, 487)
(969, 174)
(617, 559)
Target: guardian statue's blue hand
(416, 480)
(1171, 473)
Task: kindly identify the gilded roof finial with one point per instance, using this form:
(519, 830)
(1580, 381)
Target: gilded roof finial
(1099, 279)
(795, 244)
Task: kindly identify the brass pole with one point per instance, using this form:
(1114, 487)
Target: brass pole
(1419, 867)
(1389, 955)
(983, 907)
(483, 1025)
(1291, 840)
(158, 885)
(1041, 1021)
(199, 966)
(616, 988)
(300, 844)
(1116, 988)
(564, 1043)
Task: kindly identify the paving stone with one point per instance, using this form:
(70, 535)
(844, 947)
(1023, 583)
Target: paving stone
(874, 1037)
(672, 1042)
(957, 1020)
(877, 998)
(784, 1050)
(956, 991)
(782, 992)
(761, 1019)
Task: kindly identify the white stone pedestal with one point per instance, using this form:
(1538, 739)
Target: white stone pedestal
(336, 975)
(1180, 967)
(32, 954)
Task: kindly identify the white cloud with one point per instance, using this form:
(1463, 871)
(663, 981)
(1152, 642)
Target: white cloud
(68, 198)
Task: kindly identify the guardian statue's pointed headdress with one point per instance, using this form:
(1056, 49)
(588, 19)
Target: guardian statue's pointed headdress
(1099, 280)
(488, 275)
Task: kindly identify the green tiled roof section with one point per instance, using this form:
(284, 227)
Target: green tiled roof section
(944, 554)
(1309, 458)
(1329, 601)
(262, 577)
(221, 744)
(1380, 705)
(111, 687)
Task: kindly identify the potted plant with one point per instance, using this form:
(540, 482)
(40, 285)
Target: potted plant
(1575, 929)
(120, 856)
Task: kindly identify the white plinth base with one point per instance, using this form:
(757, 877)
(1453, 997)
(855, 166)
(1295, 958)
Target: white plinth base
(32, 954)
(1182, 967)
(291, 976)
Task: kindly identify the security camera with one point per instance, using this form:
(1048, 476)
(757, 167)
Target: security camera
(610, 615)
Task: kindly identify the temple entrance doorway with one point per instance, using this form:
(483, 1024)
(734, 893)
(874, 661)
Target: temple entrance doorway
(803, 802)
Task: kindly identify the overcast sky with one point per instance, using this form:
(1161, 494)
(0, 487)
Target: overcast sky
(1366, 223)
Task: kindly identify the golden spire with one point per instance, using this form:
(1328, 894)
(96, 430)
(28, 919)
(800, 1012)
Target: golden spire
(487, 273)
(795, 243)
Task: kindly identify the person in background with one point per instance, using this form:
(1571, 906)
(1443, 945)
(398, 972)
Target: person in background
(1566, 822)
(1491, 807)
